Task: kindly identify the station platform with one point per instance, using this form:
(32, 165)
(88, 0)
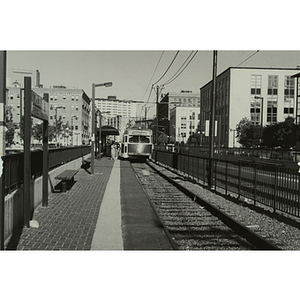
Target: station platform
(104, 211)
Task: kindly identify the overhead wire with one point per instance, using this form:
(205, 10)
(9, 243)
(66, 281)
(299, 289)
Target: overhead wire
(150, 82)
(248, 58)
(167, 68)
(174, 58)
(183, 67)
(153, 74)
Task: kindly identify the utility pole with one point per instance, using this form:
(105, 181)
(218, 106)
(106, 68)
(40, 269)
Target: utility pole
(2, 142)
(156, 127)
(212, 123)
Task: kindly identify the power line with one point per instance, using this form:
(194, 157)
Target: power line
(179, 68)
(248, 58)
(153, 75)
(184, 66)
(167, 68)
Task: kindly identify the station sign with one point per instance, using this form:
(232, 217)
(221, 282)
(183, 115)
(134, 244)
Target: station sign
(39, 107)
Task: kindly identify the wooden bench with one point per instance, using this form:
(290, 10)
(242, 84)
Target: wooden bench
(67, 178)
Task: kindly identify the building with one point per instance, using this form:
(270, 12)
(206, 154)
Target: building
(71, 105)
(118, 113)
(16, 77)
(183, 122)
(263, 95)
(170, 101)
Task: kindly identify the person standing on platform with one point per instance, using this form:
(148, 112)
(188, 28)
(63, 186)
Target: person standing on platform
(113, 151)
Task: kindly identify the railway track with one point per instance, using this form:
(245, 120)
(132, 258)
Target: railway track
(190, 222)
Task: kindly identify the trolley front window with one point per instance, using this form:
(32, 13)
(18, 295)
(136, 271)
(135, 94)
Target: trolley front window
(139, 139)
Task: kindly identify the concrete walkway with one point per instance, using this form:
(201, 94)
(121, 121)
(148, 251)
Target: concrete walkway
(105, 211)
(108, 232)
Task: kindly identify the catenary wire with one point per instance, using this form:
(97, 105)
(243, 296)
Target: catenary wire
(248, 58)
(172, 79)
(153, 75)
(167, 68)
(179, 68)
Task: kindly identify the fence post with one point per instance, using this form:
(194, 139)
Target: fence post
(226, 172)
(239, 189)
(275, 189)
(255, 179)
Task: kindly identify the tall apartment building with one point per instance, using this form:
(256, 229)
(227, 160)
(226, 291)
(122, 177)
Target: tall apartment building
(263, 95)
(112, 107)
(118, 113)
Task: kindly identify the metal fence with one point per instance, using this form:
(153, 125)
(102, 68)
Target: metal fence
(271, 184)
(14, 163)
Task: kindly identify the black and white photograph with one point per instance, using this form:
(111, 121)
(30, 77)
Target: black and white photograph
(158, 145)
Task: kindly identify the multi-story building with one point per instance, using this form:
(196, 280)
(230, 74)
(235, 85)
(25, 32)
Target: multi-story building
(183, 122)
(174, 100)
(71, 105)
(112, 107)
(118, 113)
(263, 95)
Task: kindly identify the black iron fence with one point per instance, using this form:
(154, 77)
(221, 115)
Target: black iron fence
(14, 163)
(274, 154)
(271, 184)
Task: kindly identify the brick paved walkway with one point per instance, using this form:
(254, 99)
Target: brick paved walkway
(68, 223)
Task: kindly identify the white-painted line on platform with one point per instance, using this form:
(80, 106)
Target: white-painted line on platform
(108, 232)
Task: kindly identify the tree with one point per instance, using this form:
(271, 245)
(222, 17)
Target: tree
(248, 134)
(37, 131)
(282, 134)
(10, 126)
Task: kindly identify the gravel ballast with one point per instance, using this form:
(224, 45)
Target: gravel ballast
(282, 230)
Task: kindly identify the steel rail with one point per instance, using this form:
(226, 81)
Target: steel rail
(173, 244)
(257, 241)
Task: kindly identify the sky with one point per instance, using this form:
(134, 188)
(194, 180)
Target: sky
(134, 72)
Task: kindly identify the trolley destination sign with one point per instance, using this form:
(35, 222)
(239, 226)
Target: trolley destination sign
(40, 107)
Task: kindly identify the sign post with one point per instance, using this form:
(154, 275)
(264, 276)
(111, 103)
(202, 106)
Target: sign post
(38, 107)
(27, 153)
(45, 156)
(2, 142)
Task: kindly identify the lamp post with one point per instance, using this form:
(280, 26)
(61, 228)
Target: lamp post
(261, 115)
(233, 137)
(106, 84)
(262, 109)
(56, 108)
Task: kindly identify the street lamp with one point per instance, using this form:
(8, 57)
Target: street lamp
(261, 116)
(262, 109)
(233, 137)
(106, 84)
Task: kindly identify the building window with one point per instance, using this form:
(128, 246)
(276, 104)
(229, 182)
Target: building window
(255, 111)
(272, 112)
(289, 88)
(255, 84)
(288, 110)
(272, 84)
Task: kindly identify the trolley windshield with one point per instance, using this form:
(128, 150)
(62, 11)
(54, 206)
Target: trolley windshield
(139, 139)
